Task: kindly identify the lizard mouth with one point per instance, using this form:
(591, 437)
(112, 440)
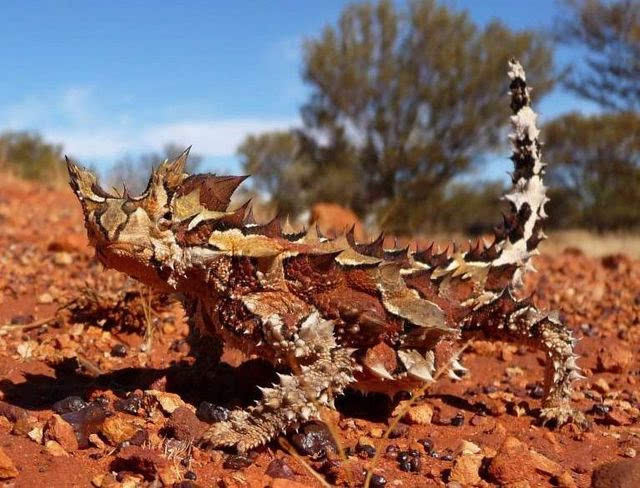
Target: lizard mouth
(120, 248)
(119, 254)
(132, 259)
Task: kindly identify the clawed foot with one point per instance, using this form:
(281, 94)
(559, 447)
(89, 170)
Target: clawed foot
(564, 414)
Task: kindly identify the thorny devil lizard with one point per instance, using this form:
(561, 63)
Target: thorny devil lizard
(333, 313)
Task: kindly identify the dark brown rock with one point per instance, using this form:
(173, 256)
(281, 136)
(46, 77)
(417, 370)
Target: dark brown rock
(184, 425)
(314, 439)
(618, 474)
(86, 422)
(278, 468)
(141, 461)
(615, 358)
(236, 461)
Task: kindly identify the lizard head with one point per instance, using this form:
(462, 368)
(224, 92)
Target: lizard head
(131, 234)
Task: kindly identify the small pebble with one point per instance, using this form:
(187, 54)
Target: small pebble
(69, 404)
(101, 401)
(427, 444)
(119, 350)
(415, 465)
(22, 319)
(409, 462)
(536, 392)
(236, 461)
(179, 345)
(365, 451)
(447, 457)
(458, 420)
(377, 481)
(402, 396)
(587, 329)
(278, 468)
(601, 409)
(392, 451)
(131, 404)
(210, 413)
(314, 439)
(190, 475)
(629, 452)
(85, 422)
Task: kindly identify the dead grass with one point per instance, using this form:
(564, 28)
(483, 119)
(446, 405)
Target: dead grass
(593, 244)
(590, 243)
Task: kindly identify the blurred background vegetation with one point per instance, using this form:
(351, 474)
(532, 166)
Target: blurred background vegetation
(408, 100)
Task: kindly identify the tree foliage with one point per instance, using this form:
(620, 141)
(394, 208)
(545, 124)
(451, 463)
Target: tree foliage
(134, 172)
(29, 156)
(403, 100)
(596, 169)
(609, 31)
(277, 165)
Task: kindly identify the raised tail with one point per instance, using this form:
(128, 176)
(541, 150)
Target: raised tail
(518, 238)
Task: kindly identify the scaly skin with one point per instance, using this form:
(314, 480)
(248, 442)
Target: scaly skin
(335, 312)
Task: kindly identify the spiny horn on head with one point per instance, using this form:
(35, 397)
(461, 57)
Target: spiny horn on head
(172, 172)
(85, 184)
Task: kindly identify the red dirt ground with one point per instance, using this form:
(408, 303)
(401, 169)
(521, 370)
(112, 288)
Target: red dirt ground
(45, 264)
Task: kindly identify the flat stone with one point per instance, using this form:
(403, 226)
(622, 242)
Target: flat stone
(169, 402)
(55, 449)
(419, 414)
(466, 469)
(618, 474)
(7, 467)
(62, 432)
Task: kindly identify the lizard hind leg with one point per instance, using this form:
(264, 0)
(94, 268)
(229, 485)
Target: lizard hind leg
(561, 371)
(519, 321)
(296, 398)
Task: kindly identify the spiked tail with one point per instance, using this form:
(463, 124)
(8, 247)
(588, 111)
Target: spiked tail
(521, 232)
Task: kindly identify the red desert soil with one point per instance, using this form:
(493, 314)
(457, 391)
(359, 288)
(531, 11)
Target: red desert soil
(82, 405)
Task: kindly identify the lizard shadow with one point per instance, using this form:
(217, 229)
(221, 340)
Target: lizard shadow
(222, 385)
(461, 403)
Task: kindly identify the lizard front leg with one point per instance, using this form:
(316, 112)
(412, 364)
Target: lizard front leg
(206, 346)
(519, 321)
(318, 376)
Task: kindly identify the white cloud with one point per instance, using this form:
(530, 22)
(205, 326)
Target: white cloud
(77, 119)
(211, 138)
(100, 143)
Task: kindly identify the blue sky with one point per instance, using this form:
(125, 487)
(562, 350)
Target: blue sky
(110, 78)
